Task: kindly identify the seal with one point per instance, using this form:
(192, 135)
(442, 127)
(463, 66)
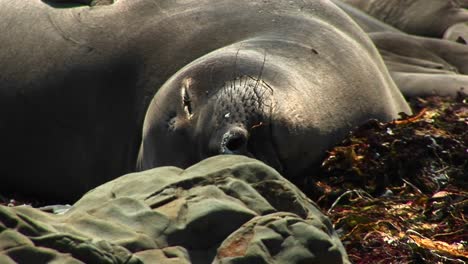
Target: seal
(280, 81)
(420, 66)
(278, 92)
(423, 66)
(416, 16)
(367, 22)
(457, 33)
(70, 97)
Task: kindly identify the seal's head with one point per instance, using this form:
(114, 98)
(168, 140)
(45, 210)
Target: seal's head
(212, 107)
(272, 98)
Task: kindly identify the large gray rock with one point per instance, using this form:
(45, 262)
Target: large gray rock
(226, 209)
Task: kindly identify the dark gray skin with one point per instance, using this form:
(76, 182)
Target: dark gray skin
(420, 17)
(420, 66)
(367, 22)
(302, 78)
(424, 66)
(75, 83)
(72, 86)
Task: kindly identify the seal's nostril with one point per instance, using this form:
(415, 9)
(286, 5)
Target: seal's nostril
(461, 40)
(235, 143)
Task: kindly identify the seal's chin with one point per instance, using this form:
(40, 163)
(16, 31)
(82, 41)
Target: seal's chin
(263, 146)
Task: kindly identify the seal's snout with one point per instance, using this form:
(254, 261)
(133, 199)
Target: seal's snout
(234, 141)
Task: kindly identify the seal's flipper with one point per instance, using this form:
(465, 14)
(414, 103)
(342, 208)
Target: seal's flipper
(458, 33)
(416, 16)
(423, 66)
(426, 84)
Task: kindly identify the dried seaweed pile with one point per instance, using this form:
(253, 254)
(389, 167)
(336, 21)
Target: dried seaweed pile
(397, 192)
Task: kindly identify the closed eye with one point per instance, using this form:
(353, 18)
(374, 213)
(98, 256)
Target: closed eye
(187, 101)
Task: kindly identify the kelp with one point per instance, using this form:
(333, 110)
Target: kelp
(397, 191)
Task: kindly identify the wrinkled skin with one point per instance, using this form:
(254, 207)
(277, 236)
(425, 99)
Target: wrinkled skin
(420, 66)
(421, 17)
(424, 66)
(282, 95)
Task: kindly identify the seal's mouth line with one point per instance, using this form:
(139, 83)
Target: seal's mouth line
(270, 153)
(274, 147)
(274, 144)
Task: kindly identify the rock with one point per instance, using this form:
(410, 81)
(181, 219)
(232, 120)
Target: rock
(170, 215)
(279, 238)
